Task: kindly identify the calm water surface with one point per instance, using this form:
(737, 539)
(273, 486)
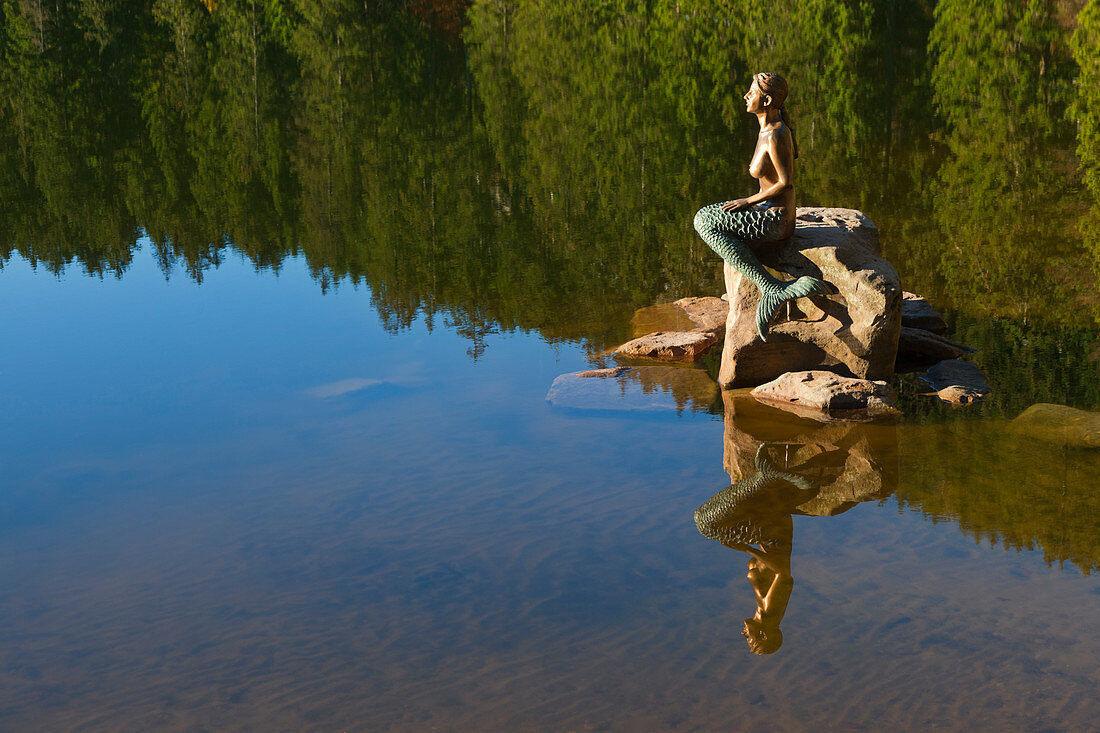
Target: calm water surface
(283, 291)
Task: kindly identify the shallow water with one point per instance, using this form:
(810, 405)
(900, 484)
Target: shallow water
(276, 448)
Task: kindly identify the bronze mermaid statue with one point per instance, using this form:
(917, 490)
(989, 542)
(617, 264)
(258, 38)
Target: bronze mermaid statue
(768, 215)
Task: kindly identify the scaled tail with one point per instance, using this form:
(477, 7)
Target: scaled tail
(771, 297)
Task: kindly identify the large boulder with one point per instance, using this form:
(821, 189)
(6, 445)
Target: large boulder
(853, 332)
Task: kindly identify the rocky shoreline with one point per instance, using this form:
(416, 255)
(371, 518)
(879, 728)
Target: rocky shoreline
(830, 357)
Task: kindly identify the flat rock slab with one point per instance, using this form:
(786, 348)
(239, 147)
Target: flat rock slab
(635, 389)
(830, 393)
(916, 344)
(670, 345)
(708, 312)
(957, 382)
(917, 313)
(853, 331)
(1060, 424)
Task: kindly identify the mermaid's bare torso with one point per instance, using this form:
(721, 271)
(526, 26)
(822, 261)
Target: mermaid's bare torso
(762, 169)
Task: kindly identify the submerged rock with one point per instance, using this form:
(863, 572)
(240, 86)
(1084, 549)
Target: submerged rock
(957, 382)
(917, 313)
(1060, 424)
(919, 345)
(608, 372)
(853, 331)
(821, 391)
(644, 389)
(670, 345)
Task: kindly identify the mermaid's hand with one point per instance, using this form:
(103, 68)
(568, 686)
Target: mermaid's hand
(736, 205)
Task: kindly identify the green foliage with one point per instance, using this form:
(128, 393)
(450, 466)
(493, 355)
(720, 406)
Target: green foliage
(1086, 109)
(1002, 85)
(1086, 113)
(542, 175)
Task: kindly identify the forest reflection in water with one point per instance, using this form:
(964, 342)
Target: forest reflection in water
(534, 166)
(529, 169)
(999, 483)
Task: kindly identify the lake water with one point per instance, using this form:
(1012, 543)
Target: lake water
(283, 291)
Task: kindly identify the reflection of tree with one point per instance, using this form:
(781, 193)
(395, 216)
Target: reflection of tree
(61, 126)
(609, 125)
(541, 176)
(1086, 110)
(608, 139)
(990, 486)
(1002, 84)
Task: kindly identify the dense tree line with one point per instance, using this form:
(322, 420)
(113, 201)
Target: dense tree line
(535, 164)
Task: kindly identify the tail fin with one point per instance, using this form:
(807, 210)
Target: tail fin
(770, 299)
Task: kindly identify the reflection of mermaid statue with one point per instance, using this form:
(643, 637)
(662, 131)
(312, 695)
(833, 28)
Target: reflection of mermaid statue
(768, 215)
(783, 465)
(757, 511)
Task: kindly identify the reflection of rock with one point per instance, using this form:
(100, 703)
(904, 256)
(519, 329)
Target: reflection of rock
(646, 389)
(958, 382)
(663, 317)
(847, 463)
(918, 345)
(917, 313)
(820, 391)
(1060, 424)
(709, 313)
(670, 345)
(854, 331)
(680, 331)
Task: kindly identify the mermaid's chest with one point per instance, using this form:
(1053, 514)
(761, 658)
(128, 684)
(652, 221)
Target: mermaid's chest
(758, 166)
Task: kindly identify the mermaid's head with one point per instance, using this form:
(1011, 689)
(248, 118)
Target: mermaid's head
(775, 86)
(763, 637)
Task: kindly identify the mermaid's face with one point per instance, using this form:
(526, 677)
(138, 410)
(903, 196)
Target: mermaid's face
(755, 99)
(761, 638)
